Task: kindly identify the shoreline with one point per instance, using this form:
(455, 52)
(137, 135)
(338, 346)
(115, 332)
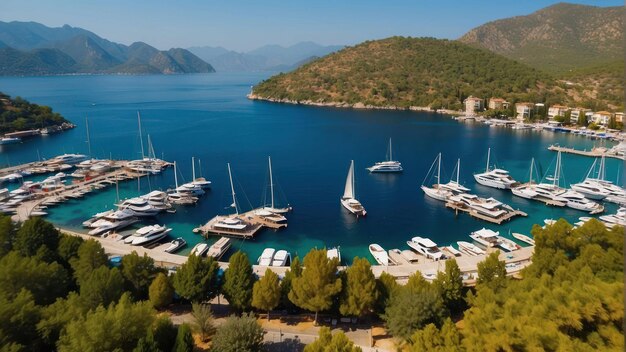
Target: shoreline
(356, 106)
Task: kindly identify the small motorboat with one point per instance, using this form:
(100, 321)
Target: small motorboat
(176, 245)
(199, 249)
(523, 238)
(379, 254)
(281, 257)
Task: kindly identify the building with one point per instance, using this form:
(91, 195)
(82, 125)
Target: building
(523, 110)
(576, 112)
(557, 110)
(619, 117)
(498, 104)
(601, 117)
(473, 105)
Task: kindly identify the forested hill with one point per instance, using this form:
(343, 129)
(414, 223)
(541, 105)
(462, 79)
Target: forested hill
(406, 72)
(18, 114)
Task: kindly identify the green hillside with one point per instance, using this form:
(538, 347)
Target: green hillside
(407, 72)
(18, 114)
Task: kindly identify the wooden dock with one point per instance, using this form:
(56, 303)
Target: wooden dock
(594, 153)
(499, 220)
(246, 226)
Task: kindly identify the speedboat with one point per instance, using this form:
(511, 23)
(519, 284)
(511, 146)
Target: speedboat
(496, 178)
(266, 257)
(9, 140)
(455, 252)
(176, 245)
(523, 238)
(334, 253)
(470, 248)
(220, 247)
(199, 249)
(507, 244)
(388, 165)
(280, 258)
(379, 254)
(349, 198)
(426, 247)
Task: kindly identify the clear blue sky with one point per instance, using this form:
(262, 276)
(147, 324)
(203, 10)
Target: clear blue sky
(247, 24)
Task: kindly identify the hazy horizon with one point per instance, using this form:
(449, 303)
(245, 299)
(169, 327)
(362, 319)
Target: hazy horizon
(246, 25)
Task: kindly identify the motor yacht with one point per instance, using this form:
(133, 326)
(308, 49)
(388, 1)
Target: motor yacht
(470, 248)
(387, 166)
(281, 258)
(70, 159)
(486, 206)
(199, 249)
(379, 254)
(485, 237)
(577, 201)
(426, 247)
(176, 245)
(114, 221)
(349, 195)
(266, 257)
(149, 234)
(9, 140)
(220, 247)
(618, 218)
(496, 178)
(524, 238)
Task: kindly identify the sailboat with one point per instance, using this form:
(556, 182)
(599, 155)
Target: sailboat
(148, 163)
(199, 181)
(453, 185)
(496, 178)
(178, 197)
(388, 165)
(597, 187)
(272, 206)
(349, 198)
(436, 191)
(525, 190)
(191, 187)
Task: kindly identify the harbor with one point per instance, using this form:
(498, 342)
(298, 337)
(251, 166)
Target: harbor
(596, 152)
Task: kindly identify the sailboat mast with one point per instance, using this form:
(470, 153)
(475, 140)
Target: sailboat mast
(193, 168)
(601, 171)
(557, 171)
(390, 151)
(439, 170)
(488, 156)
(458, 170)
(175, 175)
(232, 189)
(353, 188)
(530, 178)
(140, 136)
(88, 138)
(269, 160)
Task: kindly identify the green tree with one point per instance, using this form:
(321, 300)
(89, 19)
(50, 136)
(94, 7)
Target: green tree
(7, 234)
(184, 339)
(196, 280)
(449, 284)
(328, 342)
(164, 333)
(146, 345)
(582, 119)
(386, 286)
(115, 328)
(19, 315)
(359, 289)
(57, 315)
(316, 288)
(90, 257)
(238, 334)
(68, 249)
(34, 233)
(103, 287)
(414, 306)
(492, 272)
(295, 270)
(430, 338)
(138, 272)
(161, 291)
(238, 282)
(266, 292)
(202, 320)
(612, 124)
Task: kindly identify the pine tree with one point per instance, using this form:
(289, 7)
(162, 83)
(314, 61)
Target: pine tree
(34, 233)
(184, 339)
(138, 272)
(315, 289)
(295, 270)
(90, 257)
(492, 272)
(266, 292)
(161, 292)
(146, 345)
(196, 280)
(7, 234)
(164, 333)
(430, 338)
(238, 282)
(202, 320)
(327, 342)
(386, 287)
(239, 334)
(103, 287)
(449, 284)
(359, 289)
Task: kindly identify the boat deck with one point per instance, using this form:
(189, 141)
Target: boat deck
(248, 232)
(549, 201)
(506, 217)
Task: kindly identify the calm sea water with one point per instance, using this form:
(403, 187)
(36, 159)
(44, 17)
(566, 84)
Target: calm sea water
(208, 116)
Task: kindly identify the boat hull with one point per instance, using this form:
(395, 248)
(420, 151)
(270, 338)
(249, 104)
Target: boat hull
(357, 212)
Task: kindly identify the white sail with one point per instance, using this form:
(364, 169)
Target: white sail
(349, 190)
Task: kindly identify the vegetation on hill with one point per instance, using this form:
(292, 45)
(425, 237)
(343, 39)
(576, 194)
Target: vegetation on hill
(18, 114)
(59, 292)
(407, 72)
(598, 87)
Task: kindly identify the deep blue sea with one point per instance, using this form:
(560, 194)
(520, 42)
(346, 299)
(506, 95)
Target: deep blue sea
(209, 117)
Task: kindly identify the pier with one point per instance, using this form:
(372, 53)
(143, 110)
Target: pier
(594, 153)
(240, 226)
(506, 217)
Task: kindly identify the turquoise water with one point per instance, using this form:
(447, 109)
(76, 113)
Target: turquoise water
(208, 116)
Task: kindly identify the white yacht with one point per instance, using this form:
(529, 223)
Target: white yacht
(388, 165)
(436, 191)
(486, 206)
(198, 181)
(426, 247)
(68, 159)
(485, 237)
(266, 257)
(349, 195)
(98, 216)
(334, 253)
(9, 140)
(199, 249)
(220, 247)
(281, 258)
(453, 185)
(591, 190)
(175, 245)
(524, 238)
(114, 221)
(272, 206)
(177, 197)
(577, 201)
(496, 178)
(618, 218)
(470, 248)
(149, 234)
(379, 254)
(139, 207)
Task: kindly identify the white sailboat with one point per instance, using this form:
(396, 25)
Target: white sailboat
(177, 197)
(272, 206)
(388, 165)
(199, 181)
(496, 178)
(349, 198)
(453, 185)
(525, 190)
(436, 191)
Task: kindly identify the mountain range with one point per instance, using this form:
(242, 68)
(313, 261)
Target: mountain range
(30, 48)
(265, 58)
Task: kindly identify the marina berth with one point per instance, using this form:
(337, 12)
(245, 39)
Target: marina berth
(266, 257)
(219, 248)
(199, 249)
(426, 247)
(379, 254)
(348, 200)
(496, 178)
(281, 258)
(387, 166)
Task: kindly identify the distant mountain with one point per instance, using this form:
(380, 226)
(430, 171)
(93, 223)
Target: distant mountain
(31, 48)
(265, 58)
(557, 38)
(405, 72)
